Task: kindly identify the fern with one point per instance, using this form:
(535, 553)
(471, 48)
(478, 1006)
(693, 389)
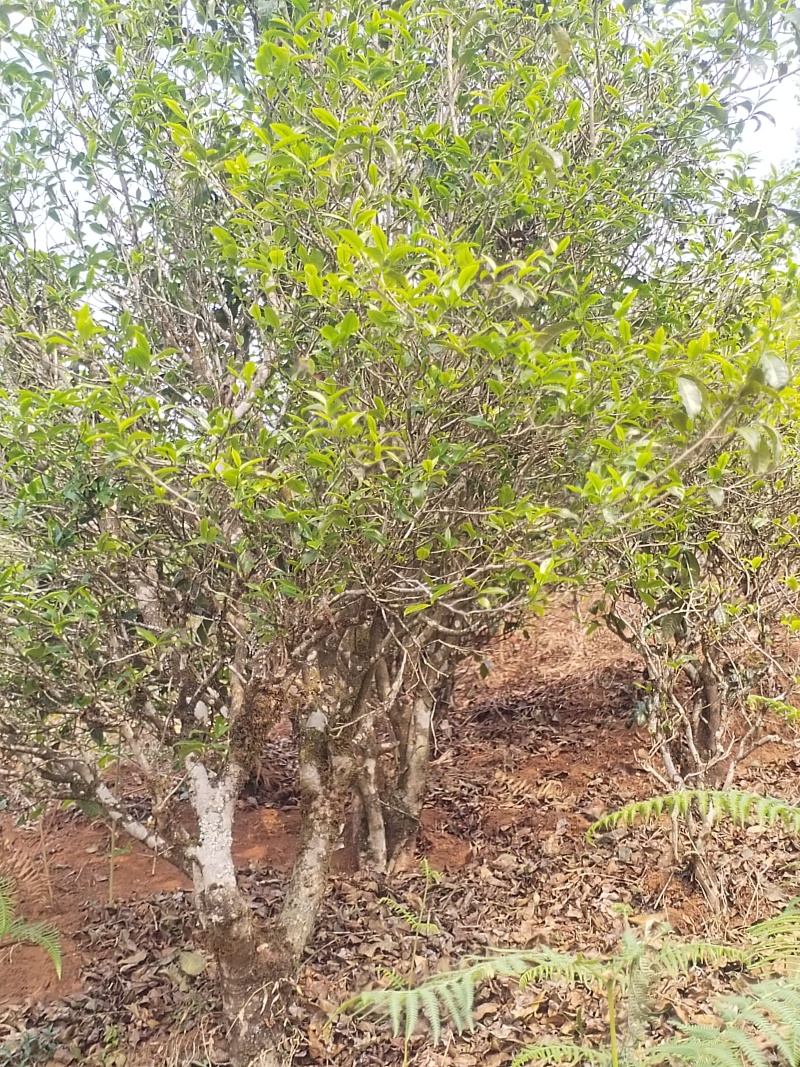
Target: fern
(771, 1010)
(6, 903)
(676, 958)
(430, 874)
(738, 806)
(17, 930)
(388, 974)
(570, 1054)
(441, 996)
(777, 939)
(414, 921)
(764, 1020)
(549, 965)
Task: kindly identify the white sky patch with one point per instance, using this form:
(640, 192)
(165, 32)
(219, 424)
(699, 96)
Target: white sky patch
(776, 145)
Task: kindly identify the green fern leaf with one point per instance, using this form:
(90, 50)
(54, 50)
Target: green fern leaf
(430, 874)
(676, 958)
(548, 965)
(414, 921)
(569, 1054)
(746, 1045)
(412, 1015)
(776, 939)
(732, 804)
(452, 1006)
(397, 1002)
(392, 977)
(699, 1045)
(432, 1011)
(753, 1027)
(772, 1034)
(42, 934)
(508, 964)
(7, 908)
(465, 994)
(453, 994)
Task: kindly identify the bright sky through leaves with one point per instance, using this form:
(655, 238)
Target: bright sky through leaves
(778, 144)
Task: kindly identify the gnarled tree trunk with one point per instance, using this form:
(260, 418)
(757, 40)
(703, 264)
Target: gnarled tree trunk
(254, 978)
(389, 805)
(258, 964)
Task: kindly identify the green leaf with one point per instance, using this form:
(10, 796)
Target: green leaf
(192, 963)
(691, 396)
(313, 280)
(85, 324)
(140, 355)
(776, 372)
(326, 117)
(562, 41)
(379, 237)
(412, 609)
(751, 435)
(349, 325)
(467, 275)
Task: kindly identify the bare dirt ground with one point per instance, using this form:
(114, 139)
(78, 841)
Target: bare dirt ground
(526, 760)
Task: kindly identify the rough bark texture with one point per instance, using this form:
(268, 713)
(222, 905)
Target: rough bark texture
(372, 810)
(415, 726)
(325, 779)
(406, 806)
(256, 969)
(327, 693)
(256, 977)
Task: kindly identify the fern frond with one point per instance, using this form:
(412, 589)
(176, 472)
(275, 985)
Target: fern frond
(571, 1054)
(434, 999)
(430, 874)
(7, 904)
(451, 994)
(755, 1028)
(774, 1038)
(412, 1016)
(733, 804)
(42, 934)
(15, 929)
(391, 976)
(675, 958)
(700, 1046)
(777, 938)
(432, 1011)
(547, 965)
(452, 1005)
(414, 921)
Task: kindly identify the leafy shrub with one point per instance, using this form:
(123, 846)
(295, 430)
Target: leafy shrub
(33, 1047)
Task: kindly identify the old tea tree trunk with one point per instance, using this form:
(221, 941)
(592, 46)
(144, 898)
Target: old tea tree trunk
(255, 967)
(258, 965)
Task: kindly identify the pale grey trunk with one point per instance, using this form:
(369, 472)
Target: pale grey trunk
(413, 779)
(325, 780)
(369, 793)
(256, 971)
(258, 967)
